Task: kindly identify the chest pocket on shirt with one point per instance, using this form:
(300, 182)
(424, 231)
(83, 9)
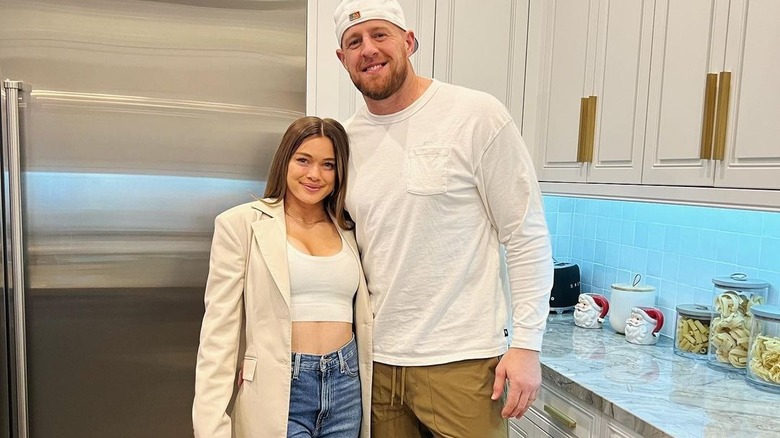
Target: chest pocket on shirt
(427, 170)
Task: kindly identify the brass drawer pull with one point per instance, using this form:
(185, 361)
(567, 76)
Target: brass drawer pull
(708, 124)
(581, 140)
(590, 136)
(721, 122)
(560, 416)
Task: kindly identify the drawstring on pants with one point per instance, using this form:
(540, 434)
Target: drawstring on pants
(403, 385)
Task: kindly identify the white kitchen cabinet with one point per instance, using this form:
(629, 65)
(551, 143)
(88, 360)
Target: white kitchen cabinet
(685, 143)
(524, 428)
(482, 45)
(597, 50)
(559, 415)
(658, 121)
(752, 151)
(688, 43)
(329, 91)
(612, 429)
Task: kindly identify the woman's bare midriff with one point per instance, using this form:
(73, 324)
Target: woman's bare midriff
(320, 337)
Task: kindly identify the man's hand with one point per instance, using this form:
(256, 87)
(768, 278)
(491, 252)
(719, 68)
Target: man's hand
(521, 371)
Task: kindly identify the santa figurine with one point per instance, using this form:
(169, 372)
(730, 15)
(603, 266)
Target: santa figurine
(643, 325)
(590, 310)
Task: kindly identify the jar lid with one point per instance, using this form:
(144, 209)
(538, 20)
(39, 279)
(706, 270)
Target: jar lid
(695, 310)
(766, 311)
(740, 281)
(632, 288)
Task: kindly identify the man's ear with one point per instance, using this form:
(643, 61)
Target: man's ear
(342, 58)
(409, 43)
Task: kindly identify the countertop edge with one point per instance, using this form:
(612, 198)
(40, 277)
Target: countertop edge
(606, 407)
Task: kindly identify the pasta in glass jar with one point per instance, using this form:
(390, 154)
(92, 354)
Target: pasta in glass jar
(733, 298)
(763, 363)
(692, 332)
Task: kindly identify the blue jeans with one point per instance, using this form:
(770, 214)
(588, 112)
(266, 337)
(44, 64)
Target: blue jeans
(325, 395)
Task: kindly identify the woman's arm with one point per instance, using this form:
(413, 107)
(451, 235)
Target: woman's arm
(215, 374)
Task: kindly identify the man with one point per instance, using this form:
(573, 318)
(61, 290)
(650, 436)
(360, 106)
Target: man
(439, 178)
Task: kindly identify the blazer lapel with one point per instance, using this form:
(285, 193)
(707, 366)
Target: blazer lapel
(271, 236)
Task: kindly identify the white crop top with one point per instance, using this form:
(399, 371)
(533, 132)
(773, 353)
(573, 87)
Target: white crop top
(322, 287)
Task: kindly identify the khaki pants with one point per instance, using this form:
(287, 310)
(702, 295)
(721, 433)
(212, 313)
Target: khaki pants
(444, 401)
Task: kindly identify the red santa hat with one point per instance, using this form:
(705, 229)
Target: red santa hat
(598, 302)
(651, 315)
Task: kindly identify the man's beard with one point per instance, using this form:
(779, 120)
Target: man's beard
(373, 92)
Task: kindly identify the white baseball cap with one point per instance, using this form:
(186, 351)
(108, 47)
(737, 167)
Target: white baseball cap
(351, 12)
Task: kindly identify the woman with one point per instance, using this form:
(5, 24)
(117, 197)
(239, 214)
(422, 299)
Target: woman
(277, 354)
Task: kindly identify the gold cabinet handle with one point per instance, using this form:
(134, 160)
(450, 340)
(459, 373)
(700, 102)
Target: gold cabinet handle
(724, 92)
(708, 124)
(581, 141)
(560, 416)
(590, 139)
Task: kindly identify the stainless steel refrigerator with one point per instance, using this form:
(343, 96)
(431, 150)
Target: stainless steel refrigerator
(128, 125)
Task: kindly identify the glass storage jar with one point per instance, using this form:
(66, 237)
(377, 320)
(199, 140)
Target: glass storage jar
(733, 298)
(763, 369)
(692, 332)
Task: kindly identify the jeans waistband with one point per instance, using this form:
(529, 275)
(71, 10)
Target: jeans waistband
(335, 359)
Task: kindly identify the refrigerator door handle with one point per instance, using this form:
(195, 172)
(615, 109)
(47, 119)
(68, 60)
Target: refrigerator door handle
(13, 88)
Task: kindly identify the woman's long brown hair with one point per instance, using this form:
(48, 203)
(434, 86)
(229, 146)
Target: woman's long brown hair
(298, 132)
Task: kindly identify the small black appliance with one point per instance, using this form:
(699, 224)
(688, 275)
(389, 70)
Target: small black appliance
(566, 287)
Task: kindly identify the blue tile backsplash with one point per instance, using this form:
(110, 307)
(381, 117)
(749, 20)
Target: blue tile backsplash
(676, 248)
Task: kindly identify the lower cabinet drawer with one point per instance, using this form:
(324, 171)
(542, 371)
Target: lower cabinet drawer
(524, 428)
(561, 417)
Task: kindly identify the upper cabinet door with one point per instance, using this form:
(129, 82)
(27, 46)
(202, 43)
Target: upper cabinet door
(598, 50)
(329, 91)
(689, 40)
(561, 74)
(620, 86)
(752, 146)
(482, 45)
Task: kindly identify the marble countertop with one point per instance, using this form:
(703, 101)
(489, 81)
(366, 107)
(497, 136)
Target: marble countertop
(650, 389)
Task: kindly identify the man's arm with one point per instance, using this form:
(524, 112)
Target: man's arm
(509, 189)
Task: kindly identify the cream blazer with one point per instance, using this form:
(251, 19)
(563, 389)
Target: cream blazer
(246, 329)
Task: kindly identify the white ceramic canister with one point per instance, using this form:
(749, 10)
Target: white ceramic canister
(624, 297)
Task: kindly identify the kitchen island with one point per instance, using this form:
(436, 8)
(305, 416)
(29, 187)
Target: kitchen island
(649, 389)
